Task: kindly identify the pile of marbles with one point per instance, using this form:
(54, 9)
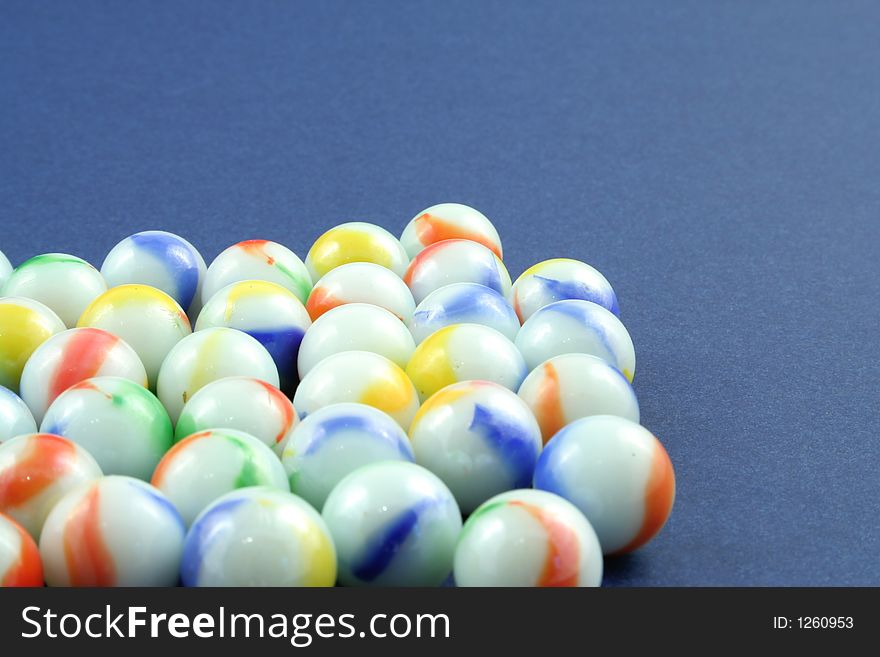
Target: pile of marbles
(271, 421)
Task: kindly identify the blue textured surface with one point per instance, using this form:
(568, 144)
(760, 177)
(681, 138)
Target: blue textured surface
(718, 162)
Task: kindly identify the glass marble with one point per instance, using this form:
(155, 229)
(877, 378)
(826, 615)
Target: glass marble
(356, 327)
(463, 303)
(242, 403)
(465, 352)
(208, 464)
(571, 386)
(362, 377)
(25, 324)
(576, 326)
(356, 241)
(20, 563)
(209, 355)
(115, 531)
(479, 438)
(149, 321)
(617, 473)
(15, 417)
(271, 314)
(455, 261)
(447, 221)
(36, 470)
(162, 260)
(559, 279)
(336, 440)
(528, 538)
(258, 260)
(259, 537)
(72, 356)
(121, 424)
(268, 312)
(62, 282)
(361, 282)
(394, 524)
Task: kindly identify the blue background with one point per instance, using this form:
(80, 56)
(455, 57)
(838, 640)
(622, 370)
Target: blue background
(719, 162)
